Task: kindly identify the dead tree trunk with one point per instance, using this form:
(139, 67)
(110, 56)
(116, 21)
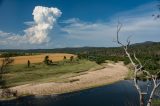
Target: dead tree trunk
(138, 68)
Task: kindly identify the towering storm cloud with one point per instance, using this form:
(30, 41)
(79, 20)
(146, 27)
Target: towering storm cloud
(37, 33)
(44, 20)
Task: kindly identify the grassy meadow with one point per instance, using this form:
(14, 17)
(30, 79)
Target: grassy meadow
(19, 74)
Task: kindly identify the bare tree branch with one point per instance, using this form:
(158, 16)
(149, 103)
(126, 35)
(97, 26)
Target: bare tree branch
(138, 67)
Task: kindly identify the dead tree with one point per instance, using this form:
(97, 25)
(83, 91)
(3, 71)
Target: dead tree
(5, 91)
(138, 67)
(5, 62)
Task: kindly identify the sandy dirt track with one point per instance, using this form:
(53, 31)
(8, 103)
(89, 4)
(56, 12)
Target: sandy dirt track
(111, 73)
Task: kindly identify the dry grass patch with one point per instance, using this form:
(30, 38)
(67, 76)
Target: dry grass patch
(39, 58)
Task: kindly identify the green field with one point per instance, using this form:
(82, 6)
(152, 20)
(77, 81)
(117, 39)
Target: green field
(40, 72)
(156, 102)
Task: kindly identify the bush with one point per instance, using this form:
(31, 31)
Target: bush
(100, 60)
(46, 60)
(64, 58)
(71, 58)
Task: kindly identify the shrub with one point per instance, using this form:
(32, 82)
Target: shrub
(46, 60)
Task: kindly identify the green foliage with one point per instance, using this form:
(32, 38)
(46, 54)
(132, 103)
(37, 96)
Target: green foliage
(64, 58)
(100, 60)
(148, 53)
(5, 64)
(14, 54)
(71, 58)
(47, 61)
(156, 102)
(11, 54)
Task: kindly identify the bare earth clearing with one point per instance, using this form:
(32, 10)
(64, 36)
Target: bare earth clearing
(111, 73)
(40, 58)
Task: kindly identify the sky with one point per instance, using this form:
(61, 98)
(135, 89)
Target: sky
(47, 24)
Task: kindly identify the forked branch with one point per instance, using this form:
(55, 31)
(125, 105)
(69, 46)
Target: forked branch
(137, 68)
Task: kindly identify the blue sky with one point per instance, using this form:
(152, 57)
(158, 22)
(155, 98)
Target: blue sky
(75, 23)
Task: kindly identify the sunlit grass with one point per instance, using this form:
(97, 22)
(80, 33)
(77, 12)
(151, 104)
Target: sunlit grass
(21, 74)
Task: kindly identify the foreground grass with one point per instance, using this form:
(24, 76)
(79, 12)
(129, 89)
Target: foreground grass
(20, 74)
(156, 102)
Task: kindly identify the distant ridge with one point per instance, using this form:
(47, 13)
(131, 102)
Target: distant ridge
(141, 46)
(145, 43)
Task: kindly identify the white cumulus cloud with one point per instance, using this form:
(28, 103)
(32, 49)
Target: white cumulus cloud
(44, 20)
